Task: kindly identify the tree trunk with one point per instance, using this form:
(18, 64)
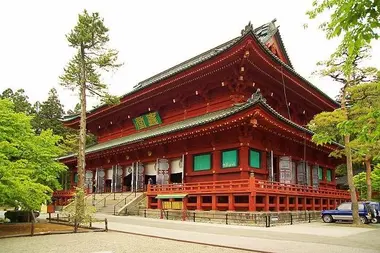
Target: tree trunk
(348, 153)
(81, 162)
(368, 178)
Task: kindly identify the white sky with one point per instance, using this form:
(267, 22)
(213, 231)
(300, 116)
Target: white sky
(150, 35)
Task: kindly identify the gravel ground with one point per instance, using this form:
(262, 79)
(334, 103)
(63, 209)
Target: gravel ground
(102, 242)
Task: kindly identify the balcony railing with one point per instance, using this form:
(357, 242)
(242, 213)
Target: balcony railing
(247, 186)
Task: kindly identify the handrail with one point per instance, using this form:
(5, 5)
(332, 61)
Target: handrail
(125, 202)
(245, 185)
(103, 199)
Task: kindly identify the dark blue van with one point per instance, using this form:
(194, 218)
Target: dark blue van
(344, 213)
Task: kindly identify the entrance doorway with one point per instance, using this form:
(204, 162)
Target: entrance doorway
(176, 178)
(127, 182)
(108, 184)
(152, 177)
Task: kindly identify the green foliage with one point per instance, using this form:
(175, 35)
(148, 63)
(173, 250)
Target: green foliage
(360, 182)
(81, 217)
(28, 170)
(357, 22)
(375, 176)
(83, 73)
(324, 127)
(90, 38)
(48, 115)
(19, 99)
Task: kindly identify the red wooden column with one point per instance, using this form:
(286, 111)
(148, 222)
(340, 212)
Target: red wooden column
(333, 176)
(266, 206)
(296, 203)
(243, 160)
(231, 202)
(304, 203)
(216, 164)
(159, 207)
(313, 203)
(213, 202)
(188, 164)
(149, 204)
(252, 195)
(277, 203)
(199, 202)
(287, 203)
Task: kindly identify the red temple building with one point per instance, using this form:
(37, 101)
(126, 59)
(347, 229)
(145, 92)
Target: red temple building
(225, 130)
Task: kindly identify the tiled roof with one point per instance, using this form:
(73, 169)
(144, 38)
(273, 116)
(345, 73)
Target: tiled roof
(190, 123)
(263, 33)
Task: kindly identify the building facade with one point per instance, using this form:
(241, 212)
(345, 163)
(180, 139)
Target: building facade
(225, 130)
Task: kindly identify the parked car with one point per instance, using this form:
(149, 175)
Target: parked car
(376, 210)
(344, 213)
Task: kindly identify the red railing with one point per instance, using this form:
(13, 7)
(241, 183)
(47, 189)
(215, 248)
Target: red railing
(281, 188)
(203, 187)
(64, 193)
(247, 186)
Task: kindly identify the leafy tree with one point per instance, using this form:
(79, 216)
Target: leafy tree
(364, 125)
(28, 171)
(357, 23)
(361, 182)
(19, 99)
(325, 124)
(83, 73)
(48, 115)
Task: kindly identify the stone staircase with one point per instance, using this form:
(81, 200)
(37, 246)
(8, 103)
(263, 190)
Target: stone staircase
(134, 206)
(112, 203)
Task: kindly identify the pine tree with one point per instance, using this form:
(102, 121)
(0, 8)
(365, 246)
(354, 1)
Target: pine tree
(83, 73)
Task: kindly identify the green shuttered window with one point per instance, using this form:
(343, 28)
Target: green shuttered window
(320, 173)
(254, 158)
(229, 158)
(202, 162)
(328, 175)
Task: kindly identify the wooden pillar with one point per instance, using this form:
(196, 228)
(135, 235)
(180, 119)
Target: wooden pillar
(332, 176)
(213, 205)
(231, 202)
(188, 164)
(252, 195)
(266, 206)
(328, 203)
(216, 164)
(296, 202)
(277, 199)
(149, 202)
(243, 160)
(251, 203)
(159, 207)
(324, 174)
(199, 202)
(287, 203)
(304, 203)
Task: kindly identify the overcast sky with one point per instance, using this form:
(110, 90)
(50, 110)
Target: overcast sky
(150, 35)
